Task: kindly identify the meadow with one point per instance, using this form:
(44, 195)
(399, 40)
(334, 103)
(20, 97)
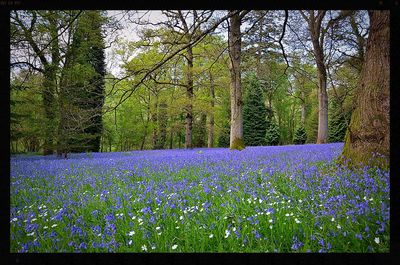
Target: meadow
(262, 199)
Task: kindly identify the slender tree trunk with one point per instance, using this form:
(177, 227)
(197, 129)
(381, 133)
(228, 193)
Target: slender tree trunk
(315, 26)
(189, 93)
(303, 108)
(234, 41)
(162, 124)
(146, 126)
(210, 138)
(367, 139)
(171, 138)
(154, 120)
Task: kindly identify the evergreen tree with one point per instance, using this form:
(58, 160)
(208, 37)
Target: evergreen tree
(223, 139)
(85, 90)
(254, 113)
(272, 134)
(300, 135)
(338, 122)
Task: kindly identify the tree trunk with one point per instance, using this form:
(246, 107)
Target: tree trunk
(171, 138)
(145, 130)
(303, 108)
(322, 107)
(234, 41)
(210, 138)
(315, 30)
(189, 93)
(49, 87)
(162, 124)
(154, 120)
(367, 138)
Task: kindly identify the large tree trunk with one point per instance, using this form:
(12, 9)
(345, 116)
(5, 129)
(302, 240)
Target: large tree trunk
(189, 93)
(50, 85)
(234, 40)
(367, 138)
(210, 138)
(49, 110)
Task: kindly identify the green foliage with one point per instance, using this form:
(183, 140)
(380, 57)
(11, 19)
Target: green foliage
(86, 78)
(223, 139)
(272, 134)
(300, 135)
(254, 113)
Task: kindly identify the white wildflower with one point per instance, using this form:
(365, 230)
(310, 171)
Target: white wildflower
(130, 242)
(287, 214)
(144, 248)
(99, 234)
(270, 227)
(33, 220)
(333, 219)
(159, 234)
(227, 233)
(297, 221)
(268, 213)
(153, 247)
(131, 233)
(376, 240)
(234, 229)
(54, 225)
(177, 227)
(211, 236)
(45, 227)
(338, 226)
(174, 246)
(31, 234)
(181, 217)
(157, 228)
(270, 220)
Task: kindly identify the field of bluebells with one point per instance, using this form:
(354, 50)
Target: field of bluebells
(261, 199)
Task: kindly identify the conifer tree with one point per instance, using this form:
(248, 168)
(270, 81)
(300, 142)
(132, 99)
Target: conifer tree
(254, 113)
(300, 135)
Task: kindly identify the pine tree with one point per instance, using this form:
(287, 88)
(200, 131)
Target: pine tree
(338, 122)
(272, 134)
(254, 113)
(300, 135)
(223, 139)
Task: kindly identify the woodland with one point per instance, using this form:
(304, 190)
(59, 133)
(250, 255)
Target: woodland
(198, 79)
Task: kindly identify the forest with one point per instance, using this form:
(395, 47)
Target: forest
(131, 100)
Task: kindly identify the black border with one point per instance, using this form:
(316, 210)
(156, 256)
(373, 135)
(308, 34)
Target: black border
(197, 258)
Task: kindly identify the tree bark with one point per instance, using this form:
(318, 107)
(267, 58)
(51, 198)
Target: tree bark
(234, 41)
(367, 140)
(154, 120)
(189, 93)
(303, 108)
(314, 23)
(210, 138)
